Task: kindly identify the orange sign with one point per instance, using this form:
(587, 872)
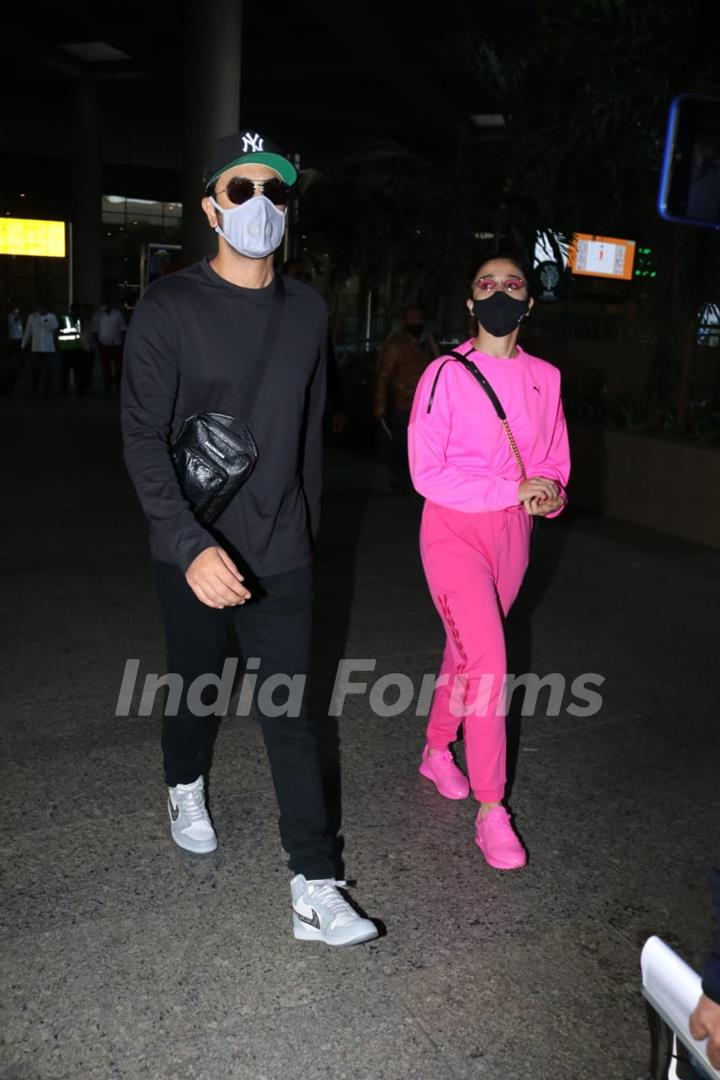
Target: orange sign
(601, 256)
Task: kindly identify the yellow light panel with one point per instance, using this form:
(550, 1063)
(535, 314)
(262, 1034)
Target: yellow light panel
(29, 236)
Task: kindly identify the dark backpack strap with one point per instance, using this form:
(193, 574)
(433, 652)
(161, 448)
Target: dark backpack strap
(476, 374)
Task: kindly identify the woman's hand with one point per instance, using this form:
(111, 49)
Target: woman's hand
(538, 487)
(540, 496)
(538, 507)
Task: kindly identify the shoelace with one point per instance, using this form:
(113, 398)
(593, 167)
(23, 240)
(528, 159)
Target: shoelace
(193, 802)
(444, 759)
(326, 894)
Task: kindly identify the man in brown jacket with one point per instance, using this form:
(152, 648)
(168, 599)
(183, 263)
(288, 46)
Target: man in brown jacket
(403, 358)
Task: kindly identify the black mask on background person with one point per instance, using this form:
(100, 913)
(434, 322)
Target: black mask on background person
(500, 314)
(415, 329)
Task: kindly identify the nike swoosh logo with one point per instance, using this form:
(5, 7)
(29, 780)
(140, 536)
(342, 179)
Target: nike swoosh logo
(315, 921)
(174, 811)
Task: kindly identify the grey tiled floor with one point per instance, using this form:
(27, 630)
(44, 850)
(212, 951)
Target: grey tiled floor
(123, 957)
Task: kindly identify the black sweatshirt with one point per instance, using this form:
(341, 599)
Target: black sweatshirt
(192, 341)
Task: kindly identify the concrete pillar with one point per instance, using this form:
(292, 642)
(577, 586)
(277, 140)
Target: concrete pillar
(86, 195)
(212, 106)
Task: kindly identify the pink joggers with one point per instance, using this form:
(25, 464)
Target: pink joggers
(474, 564)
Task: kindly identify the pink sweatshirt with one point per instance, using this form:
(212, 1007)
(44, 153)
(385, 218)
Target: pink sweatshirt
(459, 454)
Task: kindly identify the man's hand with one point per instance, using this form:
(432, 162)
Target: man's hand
(216, 580)
(705, 1022)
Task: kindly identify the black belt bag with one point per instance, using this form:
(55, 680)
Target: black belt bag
(214, 454)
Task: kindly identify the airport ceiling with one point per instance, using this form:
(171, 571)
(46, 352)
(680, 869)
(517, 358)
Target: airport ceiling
(316, 73)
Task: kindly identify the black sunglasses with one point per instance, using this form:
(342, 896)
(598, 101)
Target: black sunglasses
(242, 188)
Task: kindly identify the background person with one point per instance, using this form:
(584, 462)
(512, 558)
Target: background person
(14, 332)
(109, 328)
(41, 337)
(475, 531)
(79, 355)
(404, 356)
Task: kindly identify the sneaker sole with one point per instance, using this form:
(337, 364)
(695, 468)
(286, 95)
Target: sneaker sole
(197, 847)
(431, 778)
(303, 932)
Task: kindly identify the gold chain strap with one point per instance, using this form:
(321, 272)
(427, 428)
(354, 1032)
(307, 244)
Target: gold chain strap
(514, 448)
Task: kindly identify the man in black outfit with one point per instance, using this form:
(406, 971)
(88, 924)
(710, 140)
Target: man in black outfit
(195, 345)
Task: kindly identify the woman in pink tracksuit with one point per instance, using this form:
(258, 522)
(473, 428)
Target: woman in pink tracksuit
(484, 480)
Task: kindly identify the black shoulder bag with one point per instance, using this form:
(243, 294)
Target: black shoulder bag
(215, 454)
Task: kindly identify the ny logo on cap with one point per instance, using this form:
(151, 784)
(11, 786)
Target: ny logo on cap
(252, 144)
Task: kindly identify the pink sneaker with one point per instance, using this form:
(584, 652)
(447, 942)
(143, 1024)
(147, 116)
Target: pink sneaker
(444, 773)
(496, 838)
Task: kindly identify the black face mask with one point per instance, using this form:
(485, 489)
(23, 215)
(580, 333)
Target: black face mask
(500, 314)
(415, 329)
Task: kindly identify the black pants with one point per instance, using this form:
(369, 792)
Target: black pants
(80, 363)
(44, 372)
(111, 359)
(275, 626)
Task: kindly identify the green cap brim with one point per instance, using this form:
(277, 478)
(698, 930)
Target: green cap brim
(285, 169)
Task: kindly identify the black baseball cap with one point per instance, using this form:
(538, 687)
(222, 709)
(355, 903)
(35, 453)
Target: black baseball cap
(247, 147)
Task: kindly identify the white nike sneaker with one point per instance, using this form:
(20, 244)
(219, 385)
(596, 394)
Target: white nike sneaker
(321, 913)
(190, 824)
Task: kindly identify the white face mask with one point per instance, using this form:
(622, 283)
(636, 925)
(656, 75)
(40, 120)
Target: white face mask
(255, 228)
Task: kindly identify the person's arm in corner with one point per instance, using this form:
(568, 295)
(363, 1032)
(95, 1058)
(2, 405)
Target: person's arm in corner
(432, 474)
(705, 1020)
(313, 432)
(711, 972)
(386, 362)
(149, 388)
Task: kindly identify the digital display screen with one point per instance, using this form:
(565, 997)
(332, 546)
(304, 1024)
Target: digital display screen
(28, 236)
(602, 256)
(690, 183)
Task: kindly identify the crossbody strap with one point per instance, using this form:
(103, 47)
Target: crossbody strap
(495, 400)
(267, 344)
